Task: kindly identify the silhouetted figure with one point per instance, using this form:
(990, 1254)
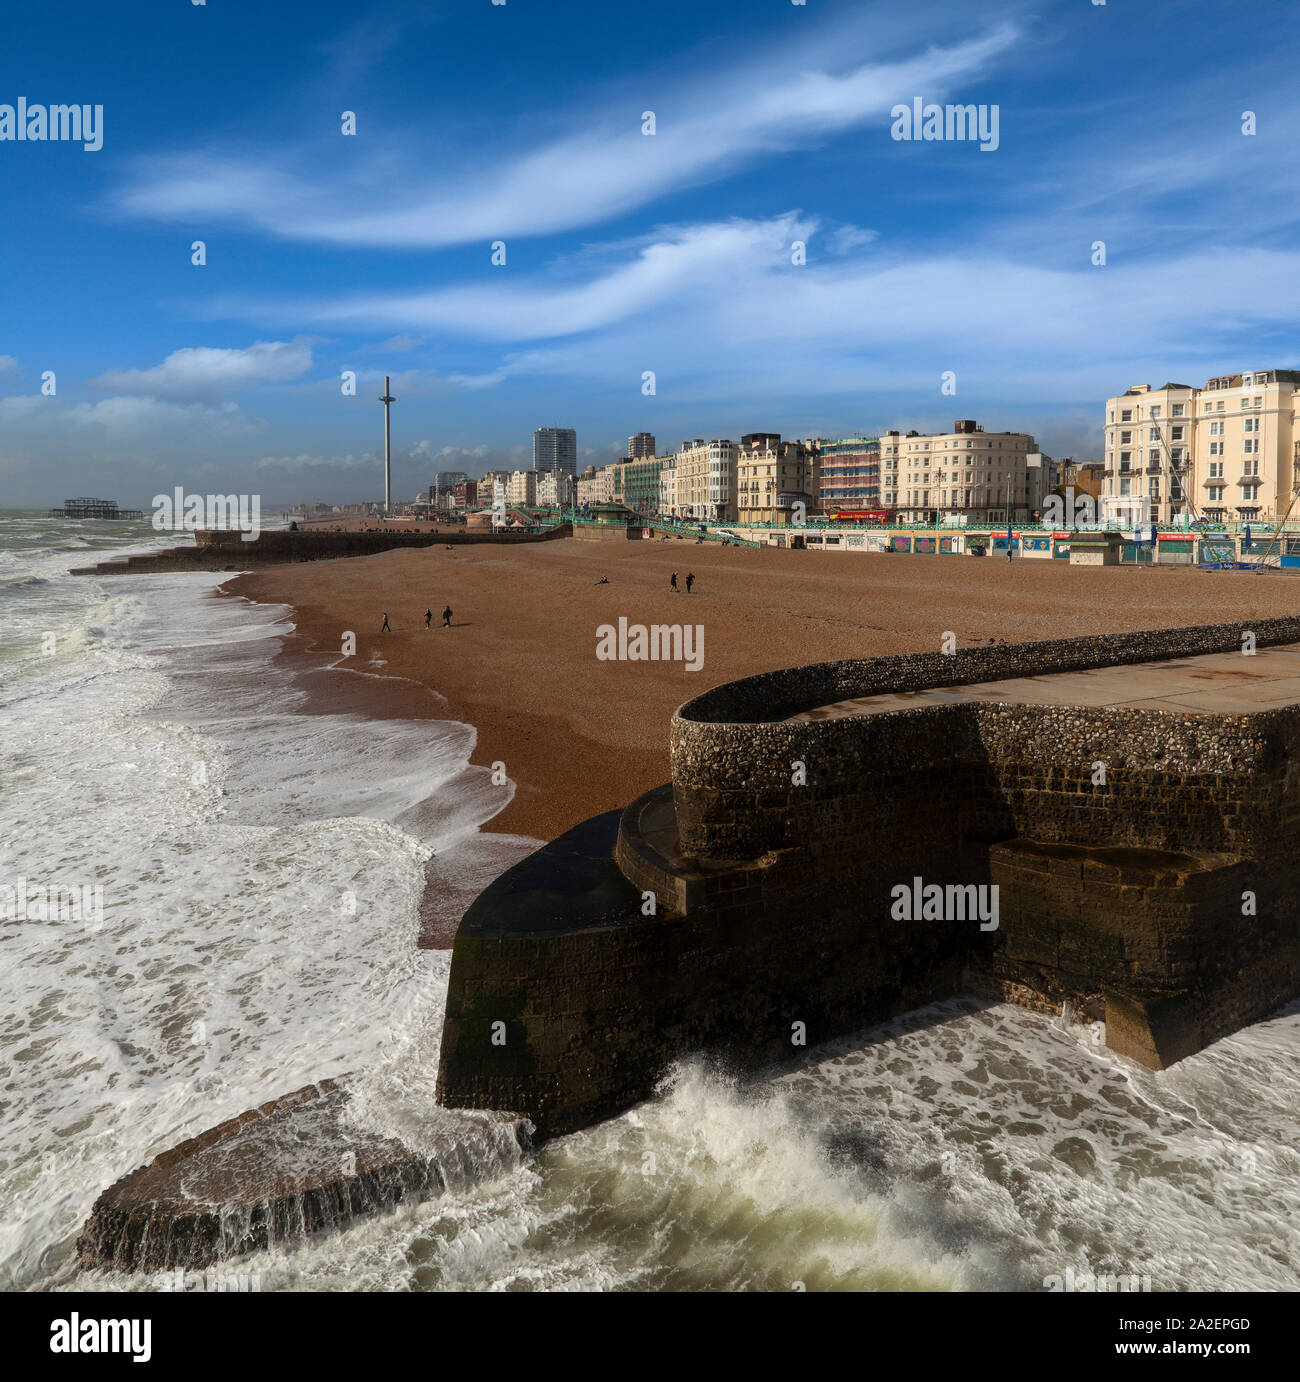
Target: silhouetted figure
(672, 583)
(604, 580)
(446, 617)
(690, 581)
(428, 618)
(385, 629)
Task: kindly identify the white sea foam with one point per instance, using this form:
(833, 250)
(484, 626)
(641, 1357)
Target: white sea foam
(261, 870)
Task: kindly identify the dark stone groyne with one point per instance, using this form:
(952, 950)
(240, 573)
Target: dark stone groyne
(772, 859)
(290, 1168)
(222, 550)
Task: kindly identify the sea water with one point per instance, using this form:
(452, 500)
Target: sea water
(261, 873)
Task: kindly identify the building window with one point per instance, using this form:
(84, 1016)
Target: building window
(1155, 412)
(1216, 494)
(1216, 469)
(1176, 434)
(1126, 415)
(1216, 448)
(1250, 447)
(1176, 410)
(1250, 424)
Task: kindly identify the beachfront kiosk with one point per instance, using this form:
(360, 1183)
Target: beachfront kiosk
(1096, 549)
(607, 523)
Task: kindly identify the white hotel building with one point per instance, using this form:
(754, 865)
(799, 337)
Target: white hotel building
(1230, 450)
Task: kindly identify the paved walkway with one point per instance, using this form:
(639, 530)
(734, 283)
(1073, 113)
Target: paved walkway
(1217, 683)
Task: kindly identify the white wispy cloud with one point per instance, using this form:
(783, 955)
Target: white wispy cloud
(423, 450)
(703, 131)
(668, 264)
(209, 372)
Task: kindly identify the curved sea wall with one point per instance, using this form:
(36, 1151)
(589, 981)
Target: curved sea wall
(769, 879)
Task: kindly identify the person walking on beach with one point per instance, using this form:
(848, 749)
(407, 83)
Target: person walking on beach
(672, 583)
(428, 618)
(690, 581)
(385, 629)
(446, 617)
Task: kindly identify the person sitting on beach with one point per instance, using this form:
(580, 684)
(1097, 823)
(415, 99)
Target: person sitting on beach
(428, 618)
(385, 629)
(446, 617)
(604, 580)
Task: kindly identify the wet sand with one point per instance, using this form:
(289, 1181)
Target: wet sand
(578, 735)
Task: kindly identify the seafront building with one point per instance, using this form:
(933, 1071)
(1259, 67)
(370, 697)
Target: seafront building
(850, 474)
(521, 489)
(554, 489)
(556, 448)
(701, 481)
(1041, 473)
(772, 476)
(596, 485)
(965, 476)
(1230, 450)
(641, 446)
(635, 482)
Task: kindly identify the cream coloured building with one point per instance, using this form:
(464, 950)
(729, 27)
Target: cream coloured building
(772, 476)
(966, 475)
(1229, 450)
(701, 482)
(597, 486)
(522, 489)
(555, 488)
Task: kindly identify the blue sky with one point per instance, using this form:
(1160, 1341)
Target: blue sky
(625, 253)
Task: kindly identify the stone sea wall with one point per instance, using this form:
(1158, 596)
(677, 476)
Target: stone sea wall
(771, 864)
